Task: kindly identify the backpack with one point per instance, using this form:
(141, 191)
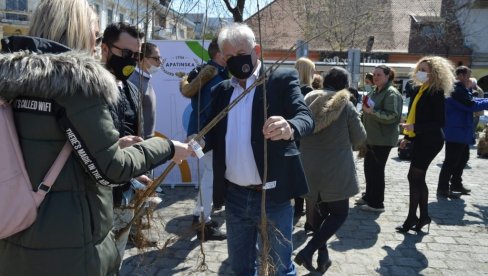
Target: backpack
(18, 201)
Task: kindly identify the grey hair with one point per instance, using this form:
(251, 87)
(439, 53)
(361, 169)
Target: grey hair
(237, 34)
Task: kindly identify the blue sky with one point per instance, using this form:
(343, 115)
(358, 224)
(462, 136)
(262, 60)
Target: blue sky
(216, 8)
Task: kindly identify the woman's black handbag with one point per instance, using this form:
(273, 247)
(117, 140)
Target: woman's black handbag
(406, 152)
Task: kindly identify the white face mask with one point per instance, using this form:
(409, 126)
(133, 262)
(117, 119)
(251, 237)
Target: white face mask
(153, 69)
(368, 88)
(423, 77)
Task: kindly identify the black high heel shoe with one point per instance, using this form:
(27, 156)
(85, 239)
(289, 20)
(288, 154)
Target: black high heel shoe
(408, 225)
(323, 261)
(305, 261)
(422, 222)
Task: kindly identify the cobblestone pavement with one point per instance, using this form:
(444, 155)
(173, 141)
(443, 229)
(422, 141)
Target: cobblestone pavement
(367, 243)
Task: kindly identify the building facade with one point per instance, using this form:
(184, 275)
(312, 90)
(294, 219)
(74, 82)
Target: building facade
(391, 32)
(476, 36)
(153, 17)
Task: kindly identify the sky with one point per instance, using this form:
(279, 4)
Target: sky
(216, 8)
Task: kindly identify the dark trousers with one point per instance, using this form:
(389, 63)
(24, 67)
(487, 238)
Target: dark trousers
(331, 217)
(457, 156)
(374, 172)
(298, 205)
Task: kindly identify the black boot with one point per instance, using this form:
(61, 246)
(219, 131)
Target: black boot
(304, 258)
(323, 260)
(461, 189)
(448, 194)
(210, 233)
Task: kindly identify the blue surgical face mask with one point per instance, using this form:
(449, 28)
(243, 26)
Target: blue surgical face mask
(153, 69)
(421, 76)
(368, 88)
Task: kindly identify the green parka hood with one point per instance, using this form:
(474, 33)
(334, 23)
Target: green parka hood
(50, 75)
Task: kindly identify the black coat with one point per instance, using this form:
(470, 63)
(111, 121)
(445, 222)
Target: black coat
(429, 114)
(284, 98)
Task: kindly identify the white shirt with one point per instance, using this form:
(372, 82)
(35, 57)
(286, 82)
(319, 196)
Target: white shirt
(239, 157)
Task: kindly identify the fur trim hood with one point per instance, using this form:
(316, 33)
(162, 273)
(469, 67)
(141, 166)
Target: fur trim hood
(190, 89)
(52, 75)
(326, 106)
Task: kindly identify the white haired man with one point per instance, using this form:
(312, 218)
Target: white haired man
(238, 152)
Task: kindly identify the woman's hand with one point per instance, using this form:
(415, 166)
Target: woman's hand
(182, 151)
(403, 144)
(407, 127)
(367, 110)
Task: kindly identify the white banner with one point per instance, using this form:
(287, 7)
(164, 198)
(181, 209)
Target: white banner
(172, 109)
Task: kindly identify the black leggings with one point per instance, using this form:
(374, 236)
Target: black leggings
(424, 151)
(332, 216)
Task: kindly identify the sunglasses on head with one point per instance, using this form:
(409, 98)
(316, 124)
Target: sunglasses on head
(126, 53)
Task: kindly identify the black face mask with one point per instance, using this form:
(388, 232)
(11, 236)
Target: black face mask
(121, 67)
(240, 66)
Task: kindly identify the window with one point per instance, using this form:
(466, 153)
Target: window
(121, 18)
(110, 17)
(181, 33)
(432, 30)
(16, 5)
(162, 20)
(480, 4)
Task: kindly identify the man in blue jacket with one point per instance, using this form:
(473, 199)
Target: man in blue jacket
(197, 86)
(458, 132)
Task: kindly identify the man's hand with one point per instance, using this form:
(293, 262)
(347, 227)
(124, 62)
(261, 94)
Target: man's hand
(144, 179)
(129, 140)
(277, 128)
(192, 137)
(182, 151)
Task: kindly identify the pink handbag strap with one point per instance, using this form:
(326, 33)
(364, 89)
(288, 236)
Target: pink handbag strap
(55, 169)
(57, 166)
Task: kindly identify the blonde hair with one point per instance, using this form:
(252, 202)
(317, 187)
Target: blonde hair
(441, 75)
(306, 69)
(68, 22)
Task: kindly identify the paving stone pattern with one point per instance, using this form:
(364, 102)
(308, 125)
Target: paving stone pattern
(367, 244)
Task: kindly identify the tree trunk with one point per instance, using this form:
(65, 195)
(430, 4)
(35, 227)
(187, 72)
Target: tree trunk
(237, 11)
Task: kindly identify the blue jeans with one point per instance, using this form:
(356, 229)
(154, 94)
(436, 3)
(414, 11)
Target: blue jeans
(243, 217)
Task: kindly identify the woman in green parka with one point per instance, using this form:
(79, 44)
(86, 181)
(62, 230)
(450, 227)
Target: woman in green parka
(381, 118)
(72, 234)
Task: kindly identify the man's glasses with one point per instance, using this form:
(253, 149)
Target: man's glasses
(156, 59)
(126, 53)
